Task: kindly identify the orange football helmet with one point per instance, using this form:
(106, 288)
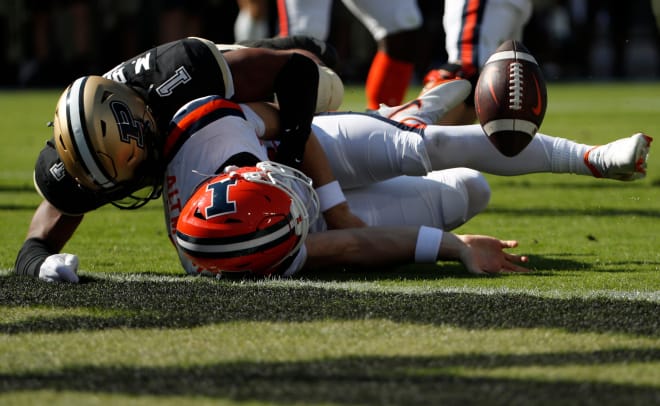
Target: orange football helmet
(249, 219)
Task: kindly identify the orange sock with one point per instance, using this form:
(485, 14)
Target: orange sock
(387, 81)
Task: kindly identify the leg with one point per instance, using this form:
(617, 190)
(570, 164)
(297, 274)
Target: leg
(394, 26)
(252, 20)
(304, 17)
(364, 148)
(453, 146)
(474, 30)
(443, 199)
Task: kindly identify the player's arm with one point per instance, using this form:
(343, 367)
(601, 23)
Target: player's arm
(387, 246)
(49, 231)
(335, 209)
(50, 228)
(294, 78)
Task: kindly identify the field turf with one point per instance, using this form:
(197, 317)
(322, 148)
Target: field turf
(582, 329)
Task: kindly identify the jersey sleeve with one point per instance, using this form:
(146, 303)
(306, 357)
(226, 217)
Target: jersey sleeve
(175, 73)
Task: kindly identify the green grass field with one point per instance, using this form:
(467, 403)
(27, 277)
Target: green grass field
(582, 329)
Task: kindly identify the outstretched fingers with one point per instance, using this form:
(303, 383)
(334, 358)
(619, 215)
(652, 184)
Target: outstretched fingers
(513, 266)
(512, 261)
(487, 255)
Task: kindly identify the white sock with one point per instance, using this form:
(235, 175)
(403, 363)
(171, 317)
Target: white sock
(468, 146)
(568, 156)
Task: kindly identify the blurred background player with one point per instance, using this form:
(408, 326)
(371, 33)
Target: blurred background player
(252, 20)
(393, 24)
(573, 39)
(473, 31)
(43, 68)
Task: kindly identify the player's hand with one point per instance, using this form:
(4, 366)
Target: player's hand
(485, 255)
(60, 268)
(341, 216)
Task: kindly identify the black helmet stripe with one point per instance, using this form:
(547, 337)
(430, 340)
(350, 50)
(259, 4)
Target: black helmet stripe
(75, 115)
(247, 249)
(237, 245)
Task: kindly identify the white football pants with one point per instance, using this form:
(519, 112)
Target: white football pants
(439, 189)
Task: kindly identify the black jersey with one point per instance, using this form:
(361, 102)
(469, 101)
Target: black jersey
(167, 77)
(172, 74)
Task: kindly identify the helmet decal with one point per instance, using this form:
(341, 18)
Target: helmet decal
(220, 203)
(129, 128)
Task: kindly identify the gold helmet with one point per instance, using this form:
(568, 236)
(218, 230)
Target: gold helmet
(104, 134)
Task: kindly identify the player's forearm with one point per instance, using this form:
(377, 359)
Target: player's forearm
(371, 246)
(382, 246)
(315, 163)
(53, 226)
(296, 87)
(335, 209)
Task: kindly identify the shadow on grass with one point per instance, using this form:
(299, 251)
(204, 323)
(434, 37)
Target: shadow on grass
(541, 266)
(570, 183)
(18, 188)
(572, 212)
(18, 207)
(359, 380)
(179, 304)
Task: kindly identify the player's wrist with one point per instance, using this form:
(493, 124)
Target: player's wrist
(330, 195)
(427, 247)
(31, 256)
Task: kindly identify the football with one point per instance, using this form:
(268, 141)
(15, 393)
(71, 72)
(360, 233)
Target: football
(511, 98)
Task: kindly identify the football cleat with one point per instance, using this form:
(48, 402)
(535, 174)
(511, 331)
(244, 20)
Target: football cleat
(623, 159)
(430, 106)
(447, 72)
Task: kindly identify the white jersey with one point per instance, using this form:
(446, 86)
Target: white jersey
(229, 130)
